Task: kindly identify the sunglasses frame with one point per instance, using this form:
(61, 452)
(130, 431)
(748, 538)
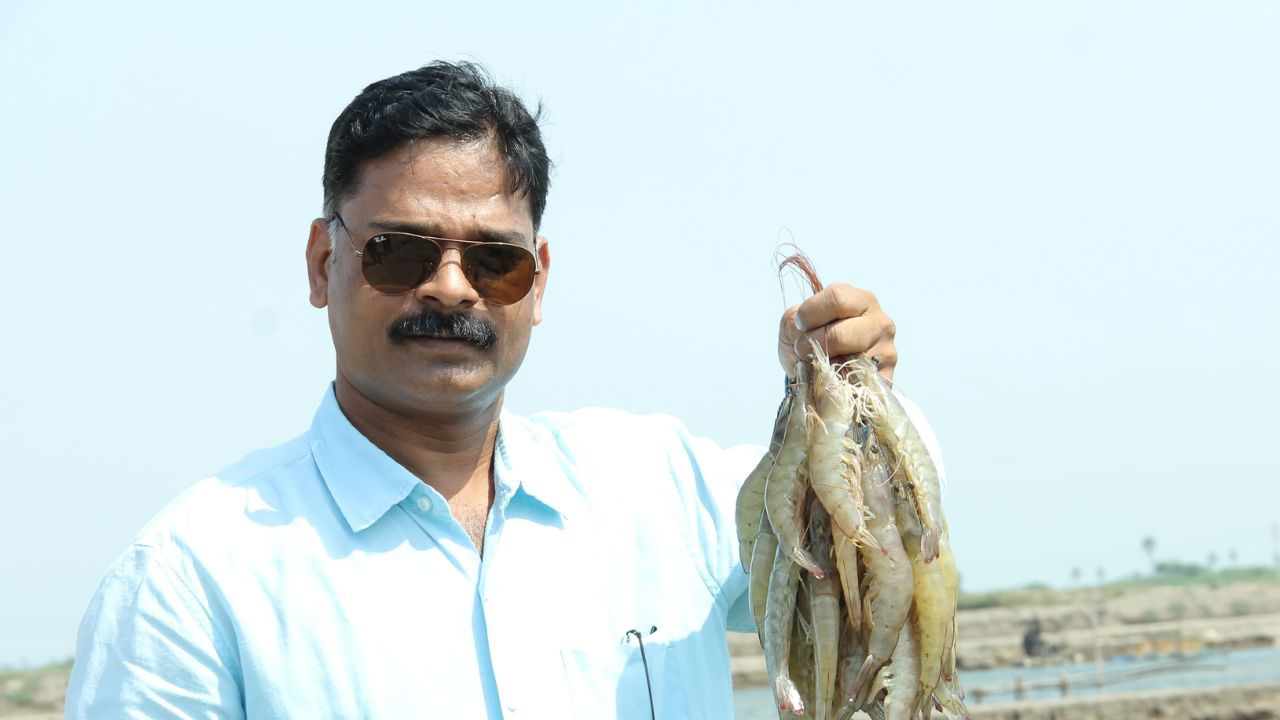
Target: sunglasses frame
(439, 242)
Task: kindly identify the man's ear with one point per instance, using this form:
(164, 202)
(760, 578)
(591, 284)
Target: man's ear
(540, 280)
(318, 266)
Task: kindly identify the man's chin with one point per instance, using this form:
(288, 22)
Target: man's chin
(444, 386)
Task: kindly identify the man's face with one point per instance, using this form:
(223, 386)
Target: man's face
(442, 188)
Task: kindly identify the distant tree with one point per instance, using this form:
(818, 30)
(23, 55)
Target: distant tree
(1213, 560)
(1232, 556)
(1102, 575)
(1149, 547)
(1076, 573)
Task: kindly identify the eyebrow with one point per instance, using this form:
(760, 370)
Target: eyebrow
(511, 237)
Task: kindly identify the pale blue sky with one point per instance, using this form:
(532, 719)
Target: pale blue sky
(1069, 208)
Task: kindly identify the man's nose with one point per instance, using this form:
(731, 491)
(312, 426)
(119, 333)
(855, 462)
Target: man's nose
(448, 286)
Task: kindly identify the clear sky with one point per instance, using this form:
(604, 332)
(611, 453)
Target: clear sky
(1069, 208)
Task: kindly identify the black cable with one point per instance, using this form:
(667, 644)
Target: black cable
(645, 660)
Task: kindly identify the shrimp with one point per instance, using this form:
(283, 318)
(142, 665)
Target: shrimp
(751, 497)
(904, 688)
(824, 613)
(947, 690)
(884, 642)
(784, 491)
(762, 554)
(801, 652)
(779, 616)
(912, 460)
(846, 556)
(935, 601)
(889, 576)
(950, 680)
(851, 654)
(833, 458)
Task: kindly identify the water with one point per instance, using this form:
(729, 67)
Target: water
(1210, 668)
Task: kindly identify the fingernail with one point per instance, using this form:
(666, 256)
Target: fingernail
(799, 326)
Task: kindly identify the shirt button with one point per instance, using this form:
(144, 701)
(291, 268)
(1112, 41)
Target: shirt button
(424, 504)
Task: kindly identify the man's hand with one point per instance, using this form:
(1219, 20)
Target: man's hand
(842, 320)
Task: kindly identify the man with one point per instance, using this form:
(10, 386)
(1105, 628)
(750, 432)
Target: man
(420, 552)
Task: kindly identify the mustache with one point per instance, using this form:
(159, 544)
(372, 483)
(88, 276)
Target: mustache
(435, 324)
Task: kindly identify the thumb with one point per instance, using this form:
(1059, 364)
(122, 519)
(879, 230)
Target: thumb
(788, 334)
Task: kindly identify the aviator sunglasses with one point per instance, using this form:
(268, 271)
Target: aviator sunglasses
(395, 263)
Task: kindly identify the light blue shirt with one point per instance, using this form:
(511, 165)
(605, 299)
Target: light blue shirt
(322, 579)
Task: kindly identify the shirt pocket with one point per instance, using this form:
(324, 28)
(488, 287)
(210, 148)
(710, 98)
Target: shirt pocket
(609, 681)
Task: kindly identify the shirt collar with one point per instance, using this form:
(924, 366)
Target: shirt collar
(365, 482)
(528, 458)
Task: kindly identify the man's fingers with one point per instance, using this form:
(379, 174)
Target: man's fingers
(834, 302)
(846, 337)
(888, 355)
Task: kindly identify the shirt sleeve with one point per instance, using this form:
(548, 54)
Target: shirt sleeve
(720, 473)
(927, 435)
(147, 648)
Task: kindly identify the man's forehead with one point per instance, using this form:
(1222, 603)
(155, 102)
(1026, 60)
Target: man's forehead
(442, 178)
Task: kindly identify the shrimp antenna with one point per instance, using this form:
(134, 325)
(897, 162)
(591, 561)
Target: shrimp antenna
(802, 263)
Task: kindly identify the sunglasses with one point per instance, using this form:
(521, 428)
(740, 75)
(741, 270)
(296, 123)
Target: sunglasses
(395, 263)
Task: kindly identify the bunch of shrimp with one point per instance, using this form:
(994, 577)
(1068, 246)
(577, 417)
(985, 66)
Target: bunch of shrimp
(841, 530)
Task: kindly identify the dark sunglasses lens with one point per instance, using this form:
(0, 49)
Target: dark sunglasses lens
(398, 263)
(501, 273)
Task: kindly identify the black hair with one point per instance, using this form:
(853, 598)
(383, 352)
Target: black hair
(443, 99)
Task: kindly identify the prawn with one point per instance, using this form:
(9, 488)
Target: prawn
(846, 556)
(904, 695)
(762, 554)
(824, 613)
(911, 456)
(851, 654)
(935, 601)
(889, 576)
(833, 458)
(779, 616)
(802, 632)
(784, 491)
(750, 504)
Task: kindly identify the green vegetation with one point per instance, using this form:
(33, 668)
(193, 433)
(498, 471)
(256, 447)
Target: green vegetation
(1176, 573)
(19, 686)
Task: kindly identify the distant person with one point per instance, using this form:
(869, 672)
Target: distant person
(420, 551)
(1033, 638)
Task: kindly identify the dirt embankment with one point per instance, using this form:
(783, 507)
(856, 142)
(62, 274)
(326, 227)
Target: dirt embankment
(1247, 702)
(34, 694)
(1139, 622)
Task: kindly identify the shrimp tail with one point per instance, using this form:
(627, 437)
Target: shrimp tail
(788, 696)
(947, 701)
(865, 681)
(805, 560)
(929, 544)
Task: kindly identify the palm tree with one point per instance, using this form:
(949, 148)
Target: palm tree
(1149, 547)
